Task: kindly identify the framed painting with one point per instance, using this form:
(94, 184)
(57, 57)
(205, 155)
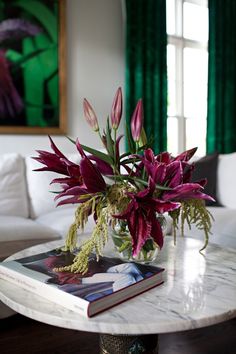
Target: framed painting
(32, 67)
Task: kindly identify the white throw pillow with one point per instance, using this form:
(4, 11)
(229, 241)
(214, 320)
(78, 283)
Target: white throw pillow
(40, 197)
(13, 191)
(226, 189)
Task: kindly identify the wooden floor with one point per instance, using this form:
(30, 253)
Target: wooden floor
(20, 335)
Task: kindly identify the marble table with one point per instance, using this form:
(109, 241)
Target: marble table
(199, 290)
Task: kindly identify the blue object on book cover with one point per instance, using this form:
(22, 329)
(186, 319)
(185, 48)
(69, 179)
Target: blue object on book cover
(108, 281)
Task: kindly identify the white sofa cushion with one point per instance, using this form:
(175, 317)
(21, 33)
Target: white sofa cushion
(13, 191)
(40, 197)
(61, 219)
(223, 228)
(14, 228)
(226, 191)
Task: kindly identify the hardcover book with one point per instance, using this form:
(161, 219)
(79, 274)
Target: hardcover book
(108, 282)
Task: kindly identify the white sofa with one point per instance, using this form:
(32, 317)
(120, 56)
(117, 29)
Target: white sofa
(24, 199)
(224, 224)
(28, 215)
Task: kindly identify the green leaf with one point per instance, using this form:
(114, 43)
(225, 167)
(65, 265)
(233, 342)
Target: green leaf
(124, 246)
(124, 155)
(20, 59)
(49, 57)
(13, 56)
(46, 106)
(131, 160)
(43, 14)
(109, 141)
(49, 63)
(53, 88)
(139, 180)
(95, 152)
(129, 152)
(34, 86)
(99, 154)
(40, 65)
(148, 246)
(71, 140)
(117, 241)
(131, 143)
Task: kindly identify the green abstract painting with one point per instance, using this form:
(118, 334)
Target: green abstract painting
(32, 66)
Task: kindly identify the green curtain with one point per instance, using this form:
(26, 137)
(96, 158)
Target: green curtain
(221, 117)
(146, 68)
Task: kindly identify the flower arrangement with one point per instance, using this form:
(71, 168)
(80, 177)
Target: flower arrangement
(132, 187)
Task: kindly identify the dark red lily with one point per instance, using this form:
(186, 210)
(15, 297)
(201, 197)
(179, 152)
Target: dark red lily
(57, 162)
(102, 166)
(154, 168)
(174, 173)
(186, 155)
(186, 191)
(92, 177)
(141, 217)
(92, 182)
(76, 195)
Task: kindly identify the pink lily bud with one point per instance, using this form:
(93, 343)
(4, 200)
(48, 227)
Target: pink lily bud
(90, 115)
(116, 110)
(137, 121)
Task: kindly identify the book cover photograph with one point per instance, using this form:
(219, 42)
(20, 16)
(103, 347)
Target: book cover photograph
(108, 281)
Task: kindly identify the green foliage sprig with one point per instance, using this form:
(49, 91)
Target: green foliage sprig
(95, 243)
(81, 217)
(193, 211)
(103, 206)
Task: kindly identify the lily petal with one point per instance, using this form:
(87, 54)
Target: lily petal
(164, 157)
(186, 191)
(156, 232)
(140, 230)
(174, 174)
(162, 207)
(102, 166)
(91, 176)
(186, 155)
(55, 149)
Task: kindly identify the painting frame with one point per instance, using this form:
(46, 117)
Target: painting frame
(61, 127)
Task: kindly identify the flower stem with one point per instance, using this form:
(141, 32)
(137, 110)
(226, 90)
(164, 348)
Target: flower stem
(115, 160)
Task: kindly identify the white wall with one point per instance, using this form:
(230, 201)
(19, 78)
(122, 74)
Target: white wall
(95, 69)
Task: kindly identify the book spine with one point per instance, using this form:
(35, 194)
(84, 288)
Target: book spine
(47, 291)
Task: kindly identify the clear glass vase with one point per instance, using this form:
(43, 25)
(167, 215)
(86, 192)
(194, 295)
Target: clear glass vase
(123, 243)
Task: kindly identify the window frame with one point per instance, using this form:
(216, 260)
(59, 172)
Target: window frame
(180, 43)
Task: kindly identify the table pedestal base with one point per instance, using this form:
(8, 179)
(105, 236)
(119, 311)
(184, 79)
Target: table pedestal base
(124, 344)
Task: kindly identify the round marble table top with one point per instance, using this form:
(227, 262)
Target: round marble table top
(199, 290)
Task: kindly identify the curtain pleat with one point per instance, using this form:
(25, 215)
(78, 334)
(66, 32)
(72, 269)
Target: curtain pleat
(221, 117)
(146, 68)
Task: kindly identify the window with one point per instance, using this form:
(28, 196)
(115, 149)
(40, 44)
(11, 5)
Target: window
(187, 68)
